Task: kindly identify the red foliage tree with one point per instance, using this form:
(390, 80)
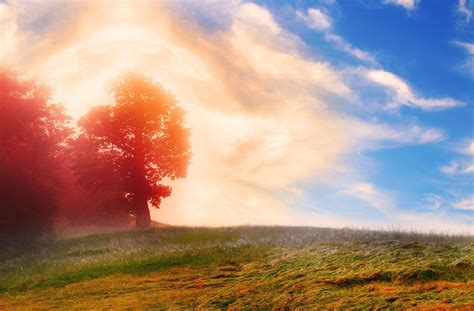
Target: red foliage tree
(32, 135)
(81, 207)
(128, 147)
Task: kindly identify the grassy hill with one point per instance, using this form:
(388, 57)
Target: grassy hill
(241, 267)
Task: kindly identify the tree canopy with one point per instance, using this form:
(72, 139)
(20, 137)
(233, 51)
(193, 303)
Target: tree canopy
(128, 147)
(32, 135)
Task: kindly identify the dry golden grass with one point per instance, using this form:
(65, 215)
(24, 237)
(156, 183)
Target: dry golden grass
(241, 268)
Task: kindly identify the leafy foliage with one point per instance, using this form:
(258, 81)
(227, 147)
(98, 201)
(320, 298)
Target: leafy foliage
(32, 135)
(127, 148)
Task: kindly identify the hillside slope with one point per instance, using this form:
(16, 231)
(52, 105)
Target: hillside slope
(255, 267)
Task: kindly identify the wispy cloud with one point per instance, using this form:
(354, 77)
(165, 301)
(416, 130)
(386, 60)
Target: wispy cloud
(404, 135)
(465, 9)
(468, 65)
(466, 204)
(343, 45)
(469, 149)
(262, 124)
(456, 168)
(403, 95)
(317, 20)
(406, 4)
(9, 31)
(469, 47)
(461, 166)
(372, 195)
(434, 201)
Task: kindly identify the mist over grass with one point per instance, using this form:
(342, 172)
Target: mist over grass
(268, 267)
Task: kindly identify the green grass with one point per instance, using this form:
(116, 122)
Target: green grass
(241, 268)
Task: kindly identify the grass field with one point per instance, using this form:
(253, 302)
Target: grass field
(241, 268)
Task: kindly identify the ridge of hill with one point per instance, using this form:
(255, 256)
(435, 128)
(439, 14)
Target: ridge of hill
(241, 267)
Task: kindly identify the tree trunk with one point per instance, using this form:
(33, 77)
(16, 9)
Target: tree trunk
(142, 219)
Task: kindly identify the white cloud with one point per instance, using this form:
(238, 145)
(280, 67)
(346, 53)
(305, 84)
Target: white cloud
(315, 19)
(406, 134)
(370, 194)
(403, 95)
(349, 49)
(469, 169)
(469, 47)
(8, 35)
(407, 4)
(455, 168)
(468, 65)
(466, 204)
(450, 169)
(434, 200)
(461, 167)
(430, 135)
(465, 9)
(252, 15)
(256, 104)
(470, 148)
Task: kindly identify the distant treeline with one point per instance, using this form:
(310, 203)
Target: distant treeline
(102, 170)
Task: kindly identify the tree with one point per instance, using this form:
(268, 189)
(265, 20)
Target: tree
(128, 147)
(32, 135)
(79, 206)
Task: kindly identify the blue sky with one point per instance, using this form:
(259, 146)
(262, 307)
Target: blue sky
(420, 45)
(329, 112)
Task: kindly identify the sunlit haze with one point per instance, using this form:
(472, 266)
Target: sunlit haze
(297, 116)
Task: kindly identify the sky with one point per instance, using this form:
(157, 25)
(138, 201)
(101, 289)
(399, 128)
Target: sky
(321, 113)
